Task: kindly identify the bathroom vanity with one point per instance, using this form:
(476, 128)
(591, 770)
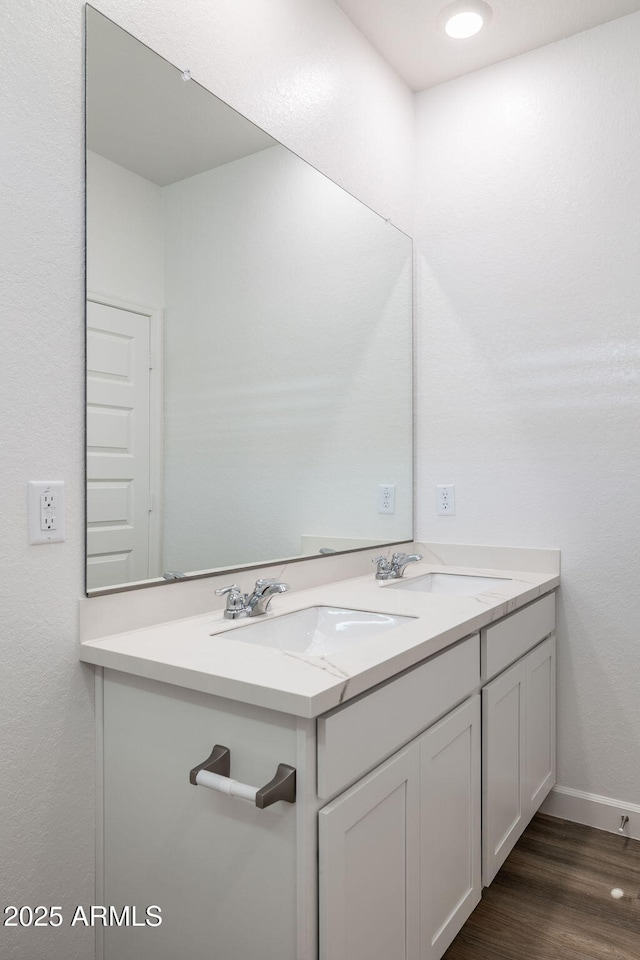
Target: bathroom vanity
(420, 756)
(415, 730)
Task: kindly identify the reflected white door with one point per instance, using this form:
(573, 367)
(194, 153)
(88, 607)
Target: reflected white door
(118, 445)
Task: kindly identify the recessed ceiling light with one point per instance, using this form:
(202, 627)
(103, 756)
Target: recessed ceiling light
(464, 18)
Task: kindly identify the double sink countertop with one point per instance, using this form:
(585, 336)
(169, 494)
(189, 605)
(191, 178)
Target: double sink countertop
(195, 653)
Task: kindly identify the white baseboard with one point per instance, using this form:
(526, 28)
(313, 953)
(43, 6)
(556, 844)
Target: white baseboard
(592, 810)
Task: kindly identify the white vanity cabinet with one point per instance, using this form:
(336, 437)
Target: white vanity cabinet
(518, 726)
(389, 781)
(379, 857)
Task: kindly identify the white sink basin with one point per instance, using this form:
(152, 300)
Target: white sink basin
(454, 584)
(315, 631)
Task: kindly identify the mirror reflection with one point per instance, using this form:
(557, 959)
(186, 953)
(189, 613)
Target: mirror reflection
(248, 343)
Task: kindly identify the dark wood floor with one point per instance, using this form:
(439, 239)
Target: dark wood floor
(552, 899)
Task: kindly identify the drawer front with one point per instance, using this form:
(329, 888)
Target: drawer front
(506, 641)
(355, 738)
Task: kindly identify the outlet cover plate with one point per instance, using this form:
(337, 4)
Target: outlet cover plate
(446, 499)
(46, 511)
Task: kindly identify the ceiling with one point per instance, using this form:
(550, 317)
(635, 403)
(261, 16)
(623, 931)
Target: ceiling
(142, 115)
(405, 32)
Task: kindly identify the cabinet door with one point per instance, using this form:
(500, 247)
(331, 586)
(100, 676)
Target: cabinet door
(449, 827)
(505, 806)
(369, 866)
(541, 723)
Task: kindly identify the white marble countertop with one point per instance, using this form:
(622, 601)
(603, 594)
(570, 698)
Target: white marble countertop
(195, 652)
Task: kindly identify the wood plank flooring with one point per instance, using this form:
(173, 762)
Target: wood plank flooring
(552, 899)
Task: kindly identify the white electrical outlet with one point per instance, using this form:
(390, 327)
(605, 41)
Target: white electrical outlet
(46, 511)
(387, 498)
(446, 499)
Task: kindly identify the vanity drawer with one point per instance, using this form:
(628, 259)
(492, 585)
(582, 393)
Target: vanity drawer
(355, 738)
(506, 641)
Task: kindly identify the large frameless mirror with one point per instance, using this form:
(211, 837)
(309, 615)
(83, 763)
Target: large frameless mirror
(248, 338)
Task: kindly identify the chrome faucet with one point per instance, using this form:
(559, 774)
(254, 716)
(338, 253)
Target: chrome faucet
(255, 604)
(393, 569)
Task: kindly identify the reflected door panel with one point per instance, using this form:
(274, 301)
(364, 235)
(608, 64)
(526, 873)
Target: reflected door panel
(118, 433)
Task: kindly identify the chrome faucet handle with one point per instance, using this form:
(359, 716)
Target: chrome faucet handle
(265, 582)
(236, 601)
(383, 569)
(232, 589)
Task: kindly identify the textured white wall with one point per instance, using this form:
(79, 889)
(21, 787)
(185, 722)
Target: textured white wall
(529, 355)
(46, 712)
(298, 68)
